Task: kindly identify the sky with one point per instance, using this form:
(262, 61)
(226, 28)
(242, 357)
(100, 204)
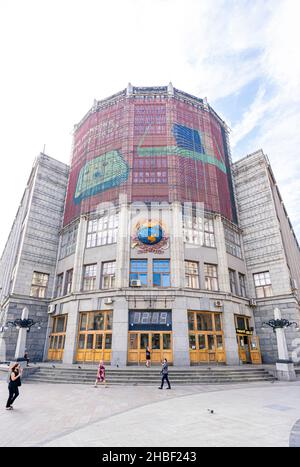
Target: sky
(57, 56)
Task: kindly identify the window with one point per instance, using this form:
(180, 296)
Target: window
(68, 241)
(209, 236)
(89, 277)
(103, 230)
(59, 285)
(242, 281)
(232, 241)
(232, 281)
(242, 323)
(139, 271)
(211, 277)
(204, 322)
(68, 282)
(192, 274)
(195, 232)
(161, 273)
(108, 275)
(262, 283)
(39, 284)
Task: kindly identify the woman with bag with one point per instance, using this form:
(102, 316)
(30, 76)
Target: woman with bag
(148, 357)
(13, 385)
(100, 374)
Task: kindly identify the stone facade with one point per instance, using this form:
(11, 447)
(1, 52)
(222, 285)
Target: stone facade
(262, 240)
(269, 245)
(32, 246)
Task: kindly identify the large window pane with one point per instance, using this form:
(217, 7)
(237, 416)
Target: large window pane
(39, 284)
(108, 341)
(90, 340)
(161, 273)
(144, 341)
(218, 326)
(81, 341)
(104, 230)
(192, 341)
(204, 322)
(98, 341)
(201, 340)
(138, 271)
(191, 322)
(155, 341)
(166, 341)
(211, 342)
(133, 341)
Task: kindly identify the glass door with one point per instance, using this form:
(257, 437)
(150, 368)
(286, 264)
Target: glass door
(156, 348)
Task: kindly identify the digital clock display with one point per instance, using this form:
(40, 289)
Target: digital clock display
(151, 320)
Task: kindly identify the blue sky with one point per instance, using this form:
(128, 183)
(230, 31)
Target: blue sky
(57, 56)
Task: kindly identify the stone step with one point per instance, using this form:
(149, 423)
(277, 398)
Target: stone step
(125, 379)
(145, 383)
(184, 380)
(149, 375)
(147, 372)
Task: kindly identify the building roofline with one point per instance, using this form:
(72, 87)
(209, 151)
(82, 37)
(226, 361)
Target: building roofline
(168, 91)
(261, 153)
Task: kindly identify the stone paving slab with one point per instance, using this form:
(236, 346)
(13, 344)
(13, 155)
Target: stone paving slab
(261, 414)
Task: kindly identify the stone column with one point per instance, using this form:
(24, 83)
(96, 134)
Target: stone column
(72, 309)
(79, 255)
(231, 345)
(120, 333)
(284, 366)
(223, 275)
(123, 245)
(176, 247)
(181, 353)
(22, 337)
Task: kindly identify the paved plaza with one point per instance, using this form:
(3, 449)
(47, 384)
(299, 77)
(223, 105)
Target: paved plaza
(262, 414)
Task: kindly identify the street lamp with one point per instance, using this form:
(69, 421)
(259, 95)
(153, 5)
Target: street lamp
(284, 366)
(20, 324)
(280, 324)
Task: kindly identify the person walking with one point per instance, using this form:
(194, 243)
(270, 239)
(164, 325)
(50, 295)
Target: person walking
(26, 357)
(13, 385)
(165, 374)
(148, 357)
(101, 374)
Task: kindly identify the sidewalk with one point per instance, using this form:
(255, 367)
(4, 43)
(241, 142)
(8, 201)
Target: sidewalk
(261, 414)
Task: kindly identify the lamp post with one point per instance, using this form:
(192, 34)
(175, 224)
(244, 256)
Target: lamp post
(284, 366)
(23, 325)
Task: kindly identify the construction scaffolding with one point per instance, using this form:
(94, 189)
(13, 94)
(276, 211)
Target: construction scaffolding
(151, 146)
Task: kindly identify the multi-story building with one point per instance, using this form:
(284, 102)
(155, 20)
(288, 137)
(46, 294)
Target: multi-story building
(151, 250)
(28, 262)
(271, 250)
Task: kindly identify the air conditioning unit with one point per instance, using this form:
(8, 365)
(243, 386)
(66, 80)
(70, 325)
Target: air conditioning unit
(135, 283)
(108, 301)
(51, 309)
(252, 302)
(218, 303)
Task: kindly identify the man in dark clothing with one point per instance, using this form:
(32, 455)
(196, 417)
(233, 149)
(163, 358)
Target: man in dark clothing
(165, 374)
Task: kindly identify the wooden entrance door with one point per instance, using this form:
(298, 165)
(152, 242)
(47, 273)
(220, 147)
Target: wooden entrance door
(255, 350)
(94, 346)
(57, 338)
(206, 340)
(160, 344)
(206, 348)
(95, 337)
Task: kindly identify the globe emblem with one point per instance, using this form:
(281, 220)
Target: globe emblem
(150, 234)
